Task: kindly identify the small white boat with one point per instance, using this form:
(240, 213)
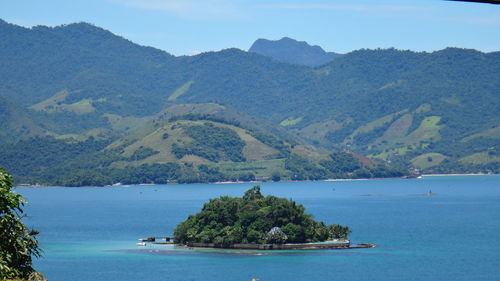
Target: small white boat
(141, 244)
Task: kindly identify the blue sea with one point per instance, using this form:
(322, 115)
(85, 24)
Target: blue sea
(91, 233)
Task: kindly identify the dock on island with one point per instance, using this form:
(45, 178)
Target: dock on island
(158, 240)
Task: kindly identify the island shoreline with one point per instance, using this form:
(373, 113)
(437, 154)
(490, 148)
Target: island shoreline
(278, 247)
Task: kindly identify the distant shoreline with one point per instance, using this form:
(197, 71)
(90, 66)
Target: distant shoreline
(454, 175)
(258, 182)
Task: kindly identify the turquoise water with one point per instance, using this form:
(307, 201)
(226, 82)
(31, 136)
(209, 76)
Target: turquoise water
(90, 233)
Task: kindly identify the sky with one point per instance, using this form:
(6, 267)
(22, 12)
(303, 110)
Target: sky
(188, 27)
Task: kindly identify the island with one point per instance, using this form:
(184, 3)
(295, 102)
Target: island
(259, 222)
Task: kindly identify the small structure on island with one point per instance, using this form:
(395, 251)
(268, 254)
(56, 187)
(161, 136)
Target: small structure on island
(276, 236)
(259, 222)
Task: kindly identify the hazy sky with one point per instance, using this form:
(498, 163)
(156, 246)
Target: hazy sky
(185, 27)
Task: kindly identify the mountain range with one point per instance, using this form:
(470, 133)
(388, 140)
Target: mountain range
(84, 90)
(292, 51)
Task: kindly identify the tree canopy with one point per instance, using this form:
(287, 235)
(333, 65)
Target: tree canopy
(394, 105)
(254, 219)
(18, 244)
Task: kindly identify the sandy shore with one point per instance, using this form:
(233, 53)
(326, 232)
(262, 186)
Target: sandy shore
(452, 175)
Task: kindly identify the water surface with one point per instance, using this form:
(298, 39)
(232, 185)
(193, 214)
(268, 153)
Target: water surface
(90, 233)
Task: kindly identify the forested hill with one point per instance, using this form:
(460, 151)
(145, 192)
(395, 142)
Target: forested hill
(184, 149)
(436, 111)
(292, 51)
(41, 61)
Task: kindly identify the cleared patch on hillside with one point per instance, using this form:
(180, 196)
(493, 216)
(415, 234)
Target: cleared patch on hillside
(253, 149)
(387, 153)
(120, 123)
(427, 131)
(318, 131)
(97, 133)
(183, 109)
(490, 133)
(452, 101)
(181, 90)
(290, 121)
(193, 159)
(305, 151)
(80, 107)
(428, 160)
(481, 158)
(398, 151)
(395, 143)
(51, 102)
(365, 161)
(398, 128)
(392, 84)
(372, 126)
(161, 136)
(261, 169)
(56, 104)
(159, 139)
(424, 108)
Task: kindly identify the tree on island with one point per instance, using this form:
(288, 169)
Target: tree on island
(254, 219)
(17, 244)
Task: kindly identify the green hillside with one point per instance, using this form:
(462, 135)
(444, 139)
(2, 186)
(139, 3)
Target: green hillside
(16, 123)
(184, 149)
(79, 80)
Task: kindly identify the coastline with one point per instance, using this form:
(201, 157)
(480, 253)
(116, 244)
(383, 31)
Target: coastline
(284, 247)
(254, 182)
(329, 245)
(455, 175)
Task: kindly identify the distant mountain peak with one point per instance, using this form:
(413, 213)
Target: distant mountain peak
(293, 41)
(292, 51)
(287, 39)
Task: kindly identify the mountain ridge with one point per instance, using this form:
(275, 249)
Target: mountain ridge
(361, 101)
(292, 51)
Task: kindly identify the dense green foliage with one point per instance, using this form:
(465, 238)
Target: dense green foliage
(88, 163)
(59, 162)
(142, 153)
(303, 169)
(18, 244)
(341, 162)
(88, 74)
(341, 165)
(227, 220)
(213, 143)
(267, 139)
(35, 156)
(208, 117)
(278, 144)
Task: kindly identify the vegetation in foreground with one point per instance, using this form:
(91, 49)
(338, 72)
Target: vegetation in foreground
(255, 219)
(18, 244)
